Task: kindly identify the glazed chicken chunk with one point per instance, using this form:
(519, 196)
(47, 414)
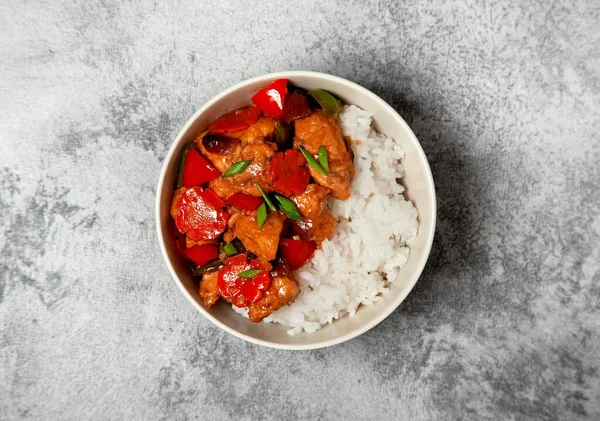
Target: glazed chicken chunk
(256, 173)
(262, 241)
(176, 195)
(209, 291)
(282, 292)
(317, 224)
(319, 130)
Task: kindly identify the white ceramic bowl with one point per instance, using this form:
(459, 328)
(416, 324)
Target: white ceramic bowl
(419, 189)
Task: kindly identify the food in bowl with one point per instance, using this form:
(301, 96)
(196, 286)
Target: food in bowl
(291, 209)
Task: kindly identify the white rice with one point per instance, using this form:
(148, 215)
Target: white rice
(370, 244)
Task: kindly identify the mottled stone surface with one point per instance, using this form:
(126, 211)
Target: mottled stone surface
(505, 98)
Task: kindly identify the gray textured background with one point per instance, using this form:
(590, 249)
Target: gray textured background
(505, 99)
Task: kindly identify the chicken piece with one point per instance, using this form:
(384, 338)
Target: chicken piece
(221, 162)
(223, 187)
(236, 214)
(282, 292)
(319, 130)
(173, 210)
(318, 224)
(209, 290)
(256, 133)
(263, 129)
(257, 172)
(262, 241)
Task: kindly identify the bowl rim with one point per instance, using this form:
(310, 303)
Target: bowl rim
(373, 322)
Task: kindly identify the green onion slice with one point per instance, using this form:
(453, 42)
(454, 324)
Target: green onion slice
(267, 200)
(289, 208)
(237, 168)
(330, 104)
(312, 161)
(283, 133)
(261, 215)
(230, 249)
(323, 159)
(250, 273)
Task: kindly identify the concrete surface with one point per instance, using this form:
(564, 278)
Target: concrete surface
(505, 98)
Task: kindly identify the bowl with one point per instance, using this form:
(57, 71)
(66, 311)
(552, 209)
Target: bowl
(419, 189)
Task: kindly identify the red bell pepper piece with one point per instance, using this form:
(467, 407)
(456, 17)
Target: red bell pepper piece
(242, 291)
(289, 172)
(197, 170)
(254, 289)
(200, 215)
(271, 99)
(213, 198)
(297, 252)
(200, 254)
(228, 282)
(295, 107)
(235, 121)
(244, 201)
(203, 254)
